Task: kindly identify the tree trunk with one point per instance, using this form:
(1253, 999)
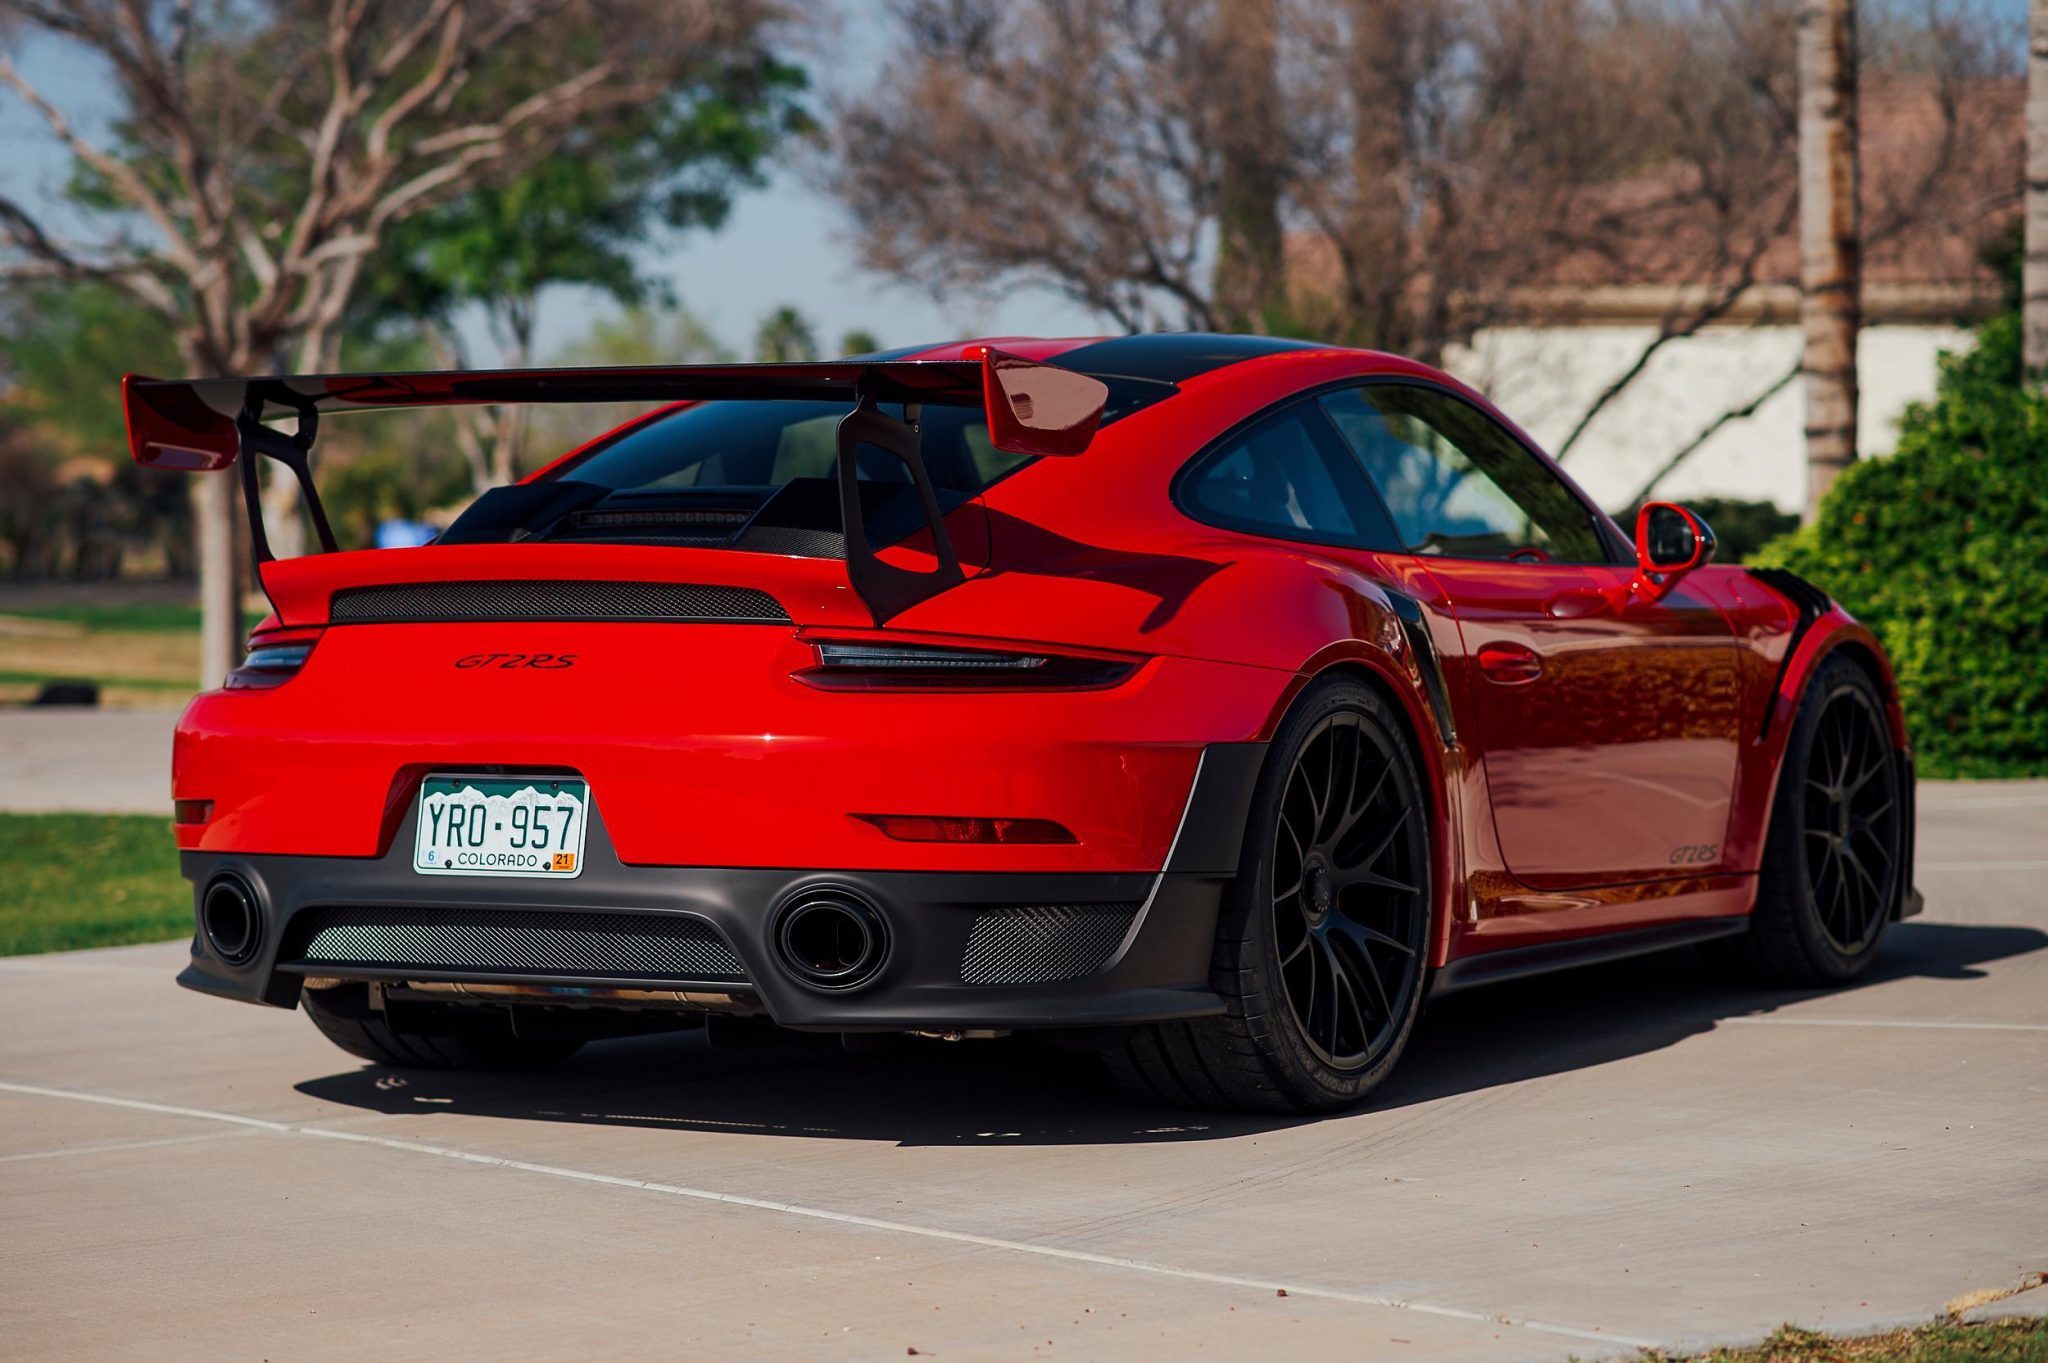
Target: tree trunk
(1378, 231)
(2034, 283)
(510, 436)
(1830, 268)
(220, 609)
(1250, 271)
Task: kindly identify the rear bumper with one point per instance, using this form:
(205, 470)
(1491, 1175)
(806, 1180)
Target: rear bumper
(966, 949)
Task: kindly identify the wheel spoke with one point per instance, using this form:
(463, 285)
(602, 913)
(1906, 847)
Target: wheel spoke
(1367, 936)
(1357, 809)
(1371, 858)
(1345, 879)
(1337, 773)
(1316, 957)
(1368, 973)
(1300, 850)
(1308, 789)
(1874, 843)
(1358, 1016)
(1340, 985)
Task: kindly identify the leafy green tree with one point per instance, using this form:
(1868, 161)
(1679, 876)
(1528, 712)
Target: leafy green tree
(61, 345)
(859, 341)
(578, 218)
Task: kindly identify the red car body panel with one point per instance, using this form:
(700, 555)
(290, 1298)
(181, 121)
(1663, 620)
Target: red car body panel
(1613, 768)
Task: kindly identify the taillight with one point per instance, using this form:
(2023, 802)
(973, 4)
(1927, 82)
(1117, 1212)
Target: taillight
(273, 658)
(891, 666)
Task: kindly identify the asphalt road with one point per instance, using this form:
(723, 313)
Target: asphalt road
(1573, 1166)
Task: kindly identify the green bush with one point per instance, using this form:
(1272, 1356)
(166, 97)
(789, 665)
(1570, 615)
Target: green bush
(1942, 549)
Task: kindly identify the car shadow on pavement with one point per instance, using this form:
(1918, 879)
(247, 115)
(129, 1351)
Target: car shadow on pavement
(1013, 1091)
(1555, 1023)
(1021, 1092)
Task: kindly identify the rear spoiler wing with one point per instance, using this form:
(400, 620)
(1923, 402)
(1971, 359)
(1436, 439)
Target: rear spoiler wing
(199, 425)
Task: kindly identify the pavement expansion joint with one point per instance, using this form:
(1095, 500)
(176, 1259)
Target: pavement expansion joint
(1074, 1256)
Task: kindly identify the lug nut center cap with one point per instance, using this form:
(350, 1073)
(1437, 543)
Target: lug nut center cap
(1318, 889)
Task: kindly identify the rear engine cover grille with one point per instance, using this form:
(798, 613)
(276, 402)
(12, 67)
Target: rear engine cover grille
(553, 599)
(1043, 943)
(607, 945)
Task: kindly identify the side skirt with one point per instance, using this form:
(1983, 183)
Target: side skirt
(1513, 963)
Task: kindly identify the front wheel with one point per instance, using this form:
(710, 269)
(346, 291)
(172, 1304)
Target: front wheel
(1321, 945)
(1832, 857)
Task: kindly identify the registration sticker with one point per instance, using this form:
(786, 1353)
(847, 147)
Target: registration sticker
(495, 826)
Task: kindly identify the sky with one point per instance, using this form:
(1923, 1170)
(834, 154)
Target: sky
(784, 244)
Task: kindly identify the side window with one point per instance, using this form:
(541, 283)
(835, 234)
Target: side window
(1284, 477)
(1454, 482)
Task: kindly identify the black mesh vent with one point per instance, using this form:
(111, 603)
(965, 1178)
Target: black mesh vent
(553, 599)
(793, 539)
(1043, 943)
(604, 945)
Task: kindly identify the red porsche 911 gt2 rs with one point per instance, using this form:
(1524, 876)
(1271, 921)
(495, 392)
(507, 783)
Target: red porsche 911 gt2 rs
(1209, 701)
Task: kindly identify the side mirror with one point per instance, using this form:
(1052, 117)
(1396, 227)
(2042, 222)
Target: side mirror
(1670, 542)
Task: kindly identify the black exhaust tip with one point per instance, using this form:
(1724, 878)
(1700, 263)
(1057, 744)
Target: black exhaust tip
(230, 919)
(832, 939)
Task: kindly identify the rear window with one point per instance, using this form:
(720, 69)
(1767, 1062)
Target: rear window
(767, 444)
(757, 475)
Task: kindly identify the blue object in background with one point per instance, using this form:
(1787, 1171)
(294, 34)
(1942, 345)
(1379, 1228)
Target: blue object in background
(397, 534)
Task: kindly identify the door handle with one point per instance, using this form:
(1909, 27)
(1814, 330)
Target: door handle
(1577, 604)
(1509, 664)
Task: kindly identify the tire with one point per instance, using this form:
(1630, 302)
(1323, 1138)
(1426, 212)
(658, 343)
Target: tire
(1322, 940)
(344, 1017)
(1830, 879)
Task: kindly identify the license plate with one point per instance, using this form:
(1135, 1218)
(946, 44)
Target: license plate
(492, 826)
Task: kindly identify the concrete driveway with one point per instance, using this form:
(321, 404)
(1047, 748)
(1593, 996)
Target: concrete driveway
(1579, 1165)
(90, 760)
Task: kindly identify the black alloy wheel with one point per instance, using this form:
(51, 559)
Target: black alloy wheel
(1322, 938)
(1833, 865)
(1348, 877)
(1850, 812)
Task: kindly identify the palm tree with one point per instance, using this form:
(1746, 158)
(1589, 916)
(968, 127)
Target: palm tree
(2034, 282)
(1830, 264)
(785, 337)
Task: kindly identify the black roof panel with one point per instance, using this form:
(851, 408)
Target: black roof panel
(1172, 356)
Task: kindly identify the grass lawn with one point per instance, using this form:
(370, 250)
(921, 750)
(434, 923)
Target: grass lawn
(89, 880)
(141, 654)
(2002, 1341)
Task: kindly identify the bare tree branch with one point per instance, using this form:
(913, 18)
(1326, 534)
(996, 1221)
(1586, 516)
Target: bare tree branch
(1707, 432)
(120, 175)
